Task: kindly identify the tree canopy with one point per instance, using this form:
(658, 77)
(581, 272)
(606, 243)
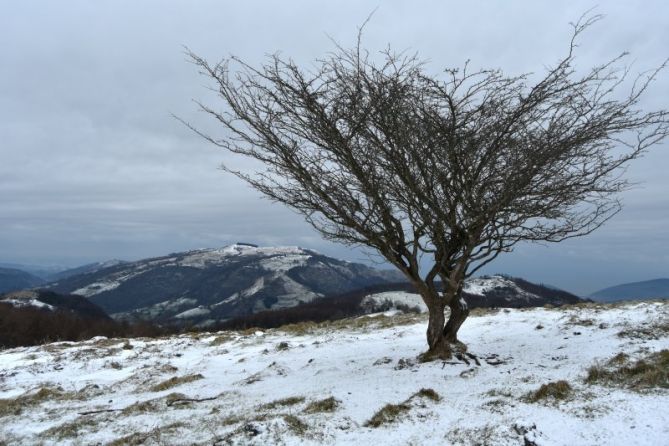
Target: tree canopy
(438, 173)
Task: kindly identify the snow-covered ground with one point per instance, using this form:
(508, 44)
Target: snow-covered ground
(260, 387)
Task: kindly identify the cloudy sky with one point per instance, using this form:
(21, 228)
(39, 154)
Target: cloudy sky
(93, 166)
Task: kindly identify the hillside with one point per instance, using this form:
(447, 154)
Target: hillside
(205, 286)
(482, 292)
(545, 377)
(51, 301)
(649, 289)
(12, 279)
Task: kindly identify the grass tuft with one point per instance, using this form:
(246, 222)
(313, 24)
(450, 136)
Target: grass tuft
(15, 406)
(651, 371)
(427, 393)
(325, 405)
(284, 402)
(557, 390)
(296, 425)
(387, 414)
(656, 330)
(175, 381)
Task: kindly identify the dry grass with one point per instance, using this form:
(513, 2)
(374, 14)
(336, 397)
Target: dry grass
(482, 311)
(70, 430)
(15, 406)
(325, 405)
(360, 323)
(387, 414)
(575, 320)
(651, 371)
(427, 393)
(175, 381)
(391, 412)
(140, 438)
(221, 339)
(557, 390)
(296, 425)
(656, 330)
(284, 402)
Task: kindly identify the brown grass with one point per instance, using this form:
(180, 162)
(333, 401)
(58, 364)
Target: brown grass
(391, 412)
(655, 330)
(387, 414)
(290, 401)
(15, 406)
(557, 390)
(651, 371)
(325, 405)
(296, 425)
(427, 393)
(175, 381)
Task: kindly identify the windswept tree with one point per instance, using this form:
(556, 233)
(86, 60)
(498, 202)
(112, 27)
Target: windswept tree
(438, 174)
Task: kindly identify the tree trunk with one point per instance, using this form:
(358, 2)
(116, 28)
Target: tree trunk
(439, 348)
(459, 312)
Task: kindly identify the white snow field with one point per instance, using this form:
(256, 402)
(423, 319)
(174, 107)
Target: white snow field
(322, 384)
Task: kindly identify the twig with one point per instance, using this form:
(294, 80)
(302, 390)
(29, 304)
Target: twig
(91, 412)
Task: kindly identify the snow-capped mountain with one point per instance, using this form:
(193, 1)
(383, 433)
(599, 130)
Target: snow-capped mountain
(209, 285)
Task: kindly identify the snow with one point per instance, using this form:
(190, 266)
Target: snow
(28, 303)
(363, 365)
(253, 289)
(107, 285)
(205, 257)
(97, 288)
(193, 312)
(396, 298)
(283, 263)
(482, 285)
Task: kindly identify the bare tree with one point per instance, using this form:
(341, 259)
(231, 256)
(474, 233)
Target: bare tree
(438, 174)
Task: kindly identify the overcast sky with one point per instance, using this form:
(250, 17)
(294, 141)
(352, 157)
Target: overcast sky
(93, 166)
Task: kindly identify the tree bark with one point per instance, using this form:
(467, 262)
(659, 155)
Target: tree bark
(459, 312)
(439, 348)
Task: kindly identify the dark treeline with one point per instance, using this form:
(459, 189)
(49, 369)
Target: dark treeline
(25, 326)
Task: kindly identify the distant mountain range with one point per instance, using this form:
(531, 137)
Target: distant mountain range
(209, 285)
(648, 289)
(488, 291)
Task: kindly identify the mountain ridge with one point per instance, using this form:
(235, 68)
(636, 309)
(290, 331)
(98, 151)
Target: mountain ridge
(645, 289)
(206, 285)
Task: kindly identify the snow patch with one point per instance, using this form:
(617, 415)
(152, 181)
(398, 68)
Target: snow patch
(28, 303)
(193, 312)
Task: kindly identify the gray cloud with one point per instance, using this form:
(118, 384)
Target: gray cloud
(92, 165)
